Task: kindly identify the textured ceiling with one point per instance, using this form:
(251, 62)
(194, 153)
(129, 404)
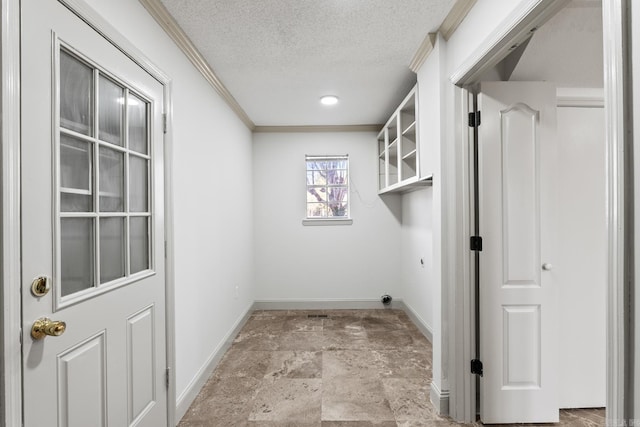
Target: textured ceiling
(278, 57)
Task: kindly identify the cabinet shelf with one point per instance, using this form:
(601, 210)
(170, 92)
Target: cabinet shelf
(81, 191)
(411, 154)
(408, 185)
(410, 130)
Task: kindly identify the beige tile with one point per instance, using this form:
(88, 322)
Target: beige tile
(288, 400)
(301, 341)
(353, 399)
(382, 323)
(344, 312)
(294, 364)
(391, 340)
(303, 324)
(264, 323)
(431, 423)
(345, 340)
(359, 424)
(269, 313)
(403, 364)
(242, 363)
(291, 313)
(409, 399)
(222, 401)
(257, 340)
(350, 364)
(346, 323)
(282, 424)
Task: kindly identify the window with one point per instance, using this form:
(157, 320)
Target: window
(327, 187)
(104, 160)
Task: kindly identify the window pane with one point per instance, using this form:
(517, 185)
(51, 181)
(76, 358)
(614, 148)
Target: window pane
(337, 209)
(139, 234)
(76, 83)
(339, 164)
(327, 186)
(316, 194)
(76, 160)
(137, 124)
(111, 180)
(111, 249)
(111, 100)
(77, 254)
(336, 177)
(338, 194)
(319, 177)
(316, 210)
(138, 184)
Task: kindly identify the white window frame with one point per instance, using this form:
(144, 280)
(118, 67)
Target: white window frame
(100, 287)
(346, 220)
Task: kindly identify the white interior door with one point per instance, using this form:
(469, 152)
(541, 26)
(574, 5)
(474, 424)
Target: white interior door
(518, 301)
(92, 228)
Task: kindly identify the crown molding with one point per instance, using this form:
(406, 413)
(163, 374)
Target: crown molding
(318, 128)
(447, 28)
(455, 17)
(171, 27)
(423, 52)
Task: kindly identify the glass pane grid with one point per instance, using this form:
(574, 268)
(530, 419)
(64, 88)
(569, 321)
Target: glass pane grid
(109, 156)
(327, 187)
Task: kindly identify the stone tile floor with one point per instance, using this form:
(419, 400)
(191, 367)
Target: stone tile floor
(352, 368)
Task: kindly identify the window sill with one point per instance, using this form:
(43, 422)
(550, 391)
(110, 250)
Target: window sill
(323, 221)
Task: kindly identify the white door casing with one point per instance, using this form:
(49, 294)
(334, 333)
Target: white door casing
(108, 368)
(518, 301)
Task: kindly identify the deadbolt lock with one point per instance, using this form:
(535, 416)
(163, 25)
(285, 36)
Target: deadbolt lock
(40, 286)
(43, 327)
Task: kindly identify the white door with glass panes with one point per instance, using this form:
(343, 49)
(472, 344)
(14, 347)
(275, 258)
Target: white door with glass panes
(93, 281)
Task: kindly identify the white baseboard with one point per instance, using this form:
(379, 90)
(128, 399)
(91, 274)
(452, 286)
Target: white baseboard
(324, 304)
(440, 399)
(418, 321)
(187, 397)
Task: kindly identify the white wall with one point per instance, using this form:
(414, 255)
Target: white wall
(431, 112)
(213, 204)
(320, 263)
(581, 267)
(416, 246)
(567, 49)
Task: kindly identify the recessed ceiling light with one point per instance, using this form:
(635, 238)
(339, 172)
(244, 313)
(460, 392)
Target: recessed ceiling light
(329, 100)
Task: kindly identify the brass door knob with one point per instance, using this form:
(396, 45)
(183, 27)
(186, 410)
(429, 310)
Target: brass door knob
(43, 327)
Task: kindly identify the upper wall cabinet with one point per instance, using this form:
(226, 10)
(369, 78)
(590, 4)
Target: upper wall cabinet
(398, 147)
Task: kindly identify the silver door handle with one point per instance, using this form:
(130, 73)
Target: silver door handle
(547, 267)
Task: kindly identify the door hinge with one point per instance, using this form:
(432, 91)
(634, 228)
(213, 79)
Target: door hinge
(474, 119)
(168, 377)
(476, 367)
(476, 243)
(164, 122)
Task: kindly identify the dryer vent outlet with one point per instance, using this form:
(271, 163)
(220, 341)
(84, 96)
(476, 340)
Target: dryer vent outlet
(386, 299)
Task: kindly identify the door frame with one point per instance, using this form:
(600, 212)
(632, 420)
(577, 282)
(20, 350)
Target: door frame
(10, 278)
(514, 30)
